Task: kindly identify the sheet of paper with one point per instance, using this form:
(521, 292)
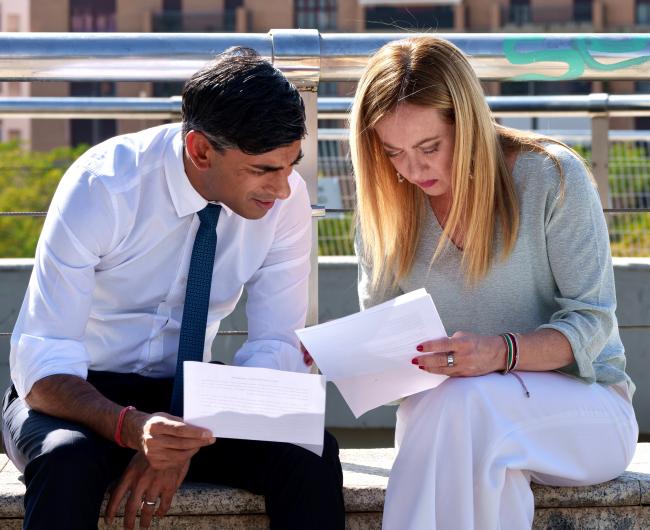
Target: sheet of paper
(256, 403)
(367, 355)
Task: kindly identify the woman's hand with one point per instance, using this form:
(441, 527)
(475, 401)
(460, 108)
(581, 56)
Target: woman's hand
(471, 354)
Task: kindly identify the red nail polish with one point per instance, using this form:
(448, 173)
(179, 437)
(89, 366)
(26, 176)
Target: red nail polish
(419, 348)
(421, 367)
(414, 361)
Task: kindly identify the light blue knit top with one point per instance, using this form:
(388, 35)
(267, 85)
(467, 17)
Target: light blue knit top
(559, 274)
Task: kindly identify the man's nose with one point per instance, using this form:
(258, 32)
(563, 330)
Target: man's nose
(281, 185)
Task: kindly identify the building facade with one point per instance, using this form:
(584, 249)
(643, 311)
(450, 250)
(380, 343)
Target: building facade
(262, 15)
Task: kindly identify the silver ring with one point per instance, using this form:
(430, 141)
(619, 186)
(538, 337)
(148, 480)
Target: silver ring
(148, 503)
(450, 360)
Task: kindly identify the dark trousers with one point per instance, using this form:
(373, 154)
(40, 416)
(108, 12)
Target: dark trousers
(67, 467)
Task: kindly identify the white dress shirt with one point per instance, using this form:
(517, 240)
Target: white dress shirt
(108, 284)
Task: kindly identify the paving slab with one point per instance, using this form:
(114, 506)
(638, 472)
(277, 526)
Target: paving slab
(365, 476)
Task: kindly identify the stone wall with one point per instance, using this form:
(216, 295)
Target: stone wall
(337, 296)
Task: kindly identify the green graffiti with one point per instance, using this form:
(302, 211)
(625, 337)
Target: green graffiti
(577, 55)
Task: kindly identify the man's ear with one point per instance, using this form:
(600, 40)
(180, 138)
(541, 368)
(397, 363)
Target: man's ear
(198, 149)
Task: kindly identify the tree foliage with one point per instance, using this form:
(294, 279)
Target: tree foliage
(27, 183)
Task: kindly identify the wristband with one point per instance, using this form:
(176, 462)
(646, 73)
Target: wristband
(509, 352)
(516, 351)
(118, 427)
(512, 351)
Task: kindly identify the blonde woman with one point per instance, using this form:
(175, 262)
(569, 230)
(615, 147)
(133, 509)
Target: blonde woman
(506, 232)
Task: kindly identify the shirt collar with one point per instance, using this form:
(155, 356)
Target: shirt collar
(186, 199)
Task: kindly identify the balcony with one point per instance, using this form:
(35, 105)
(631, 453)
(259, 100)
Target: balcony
(208, 22)
(572, 18)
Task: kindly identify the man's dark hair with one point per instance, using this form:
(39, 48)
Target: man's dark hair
(241, 101)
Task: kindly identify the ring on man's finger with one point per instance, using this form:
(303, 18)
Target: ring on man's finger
(450, 360)
(148, 503)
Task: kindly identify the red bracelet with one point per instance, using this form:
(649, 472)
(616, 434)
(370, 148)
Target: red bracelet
(118, 427)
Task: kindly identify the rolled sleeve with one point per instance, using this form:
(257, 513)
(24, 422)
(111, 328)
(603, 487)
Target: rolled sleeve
(49, 334)
(278, 291)
(580, 259)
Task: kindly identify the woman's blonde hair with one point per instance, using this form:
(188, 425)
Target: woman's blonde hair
(432, 72)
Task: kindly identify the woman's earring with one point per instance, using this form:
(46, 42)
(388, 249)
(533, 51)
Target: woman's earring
(400, 178)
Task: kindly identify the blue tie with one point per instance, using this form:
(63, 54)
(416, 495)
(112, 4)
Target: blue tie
(197, 299)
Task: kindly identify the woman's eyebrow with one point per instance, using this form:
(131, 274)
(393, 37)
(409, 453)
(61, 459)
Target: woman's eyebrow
(425, 140)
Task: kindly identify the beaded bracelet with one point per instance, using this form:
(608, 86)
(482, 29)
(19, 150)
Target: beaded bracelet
(118, 427)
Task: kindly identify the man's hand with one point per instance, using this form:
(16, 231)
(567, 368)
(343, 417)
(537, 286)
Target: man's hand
(145, 486)
(165, 440)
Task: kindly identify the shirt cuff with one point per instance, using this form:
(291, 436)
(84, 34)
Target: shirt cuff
(33, 358)
(275, 354)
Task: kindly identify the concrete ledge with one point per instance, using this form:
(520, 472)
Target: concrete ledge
(620, 503)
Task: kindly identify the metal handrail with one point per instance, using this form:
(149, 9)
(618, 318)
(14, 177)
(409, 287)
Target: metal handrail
(568, 136)
(512, 106)
(317, 210)
(308, 56)
(91, 107)
(328, 107)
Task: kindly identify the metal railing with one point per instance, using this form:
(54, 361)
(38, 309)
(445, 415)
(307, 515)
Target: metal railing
(329, 108)
(628, 185)
(308, 57)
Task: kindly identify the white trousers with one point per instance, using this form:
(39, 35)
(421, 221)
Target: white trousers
(468, 449)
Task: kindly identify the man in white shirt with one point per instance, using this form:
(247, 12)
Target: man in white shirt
(94, 350)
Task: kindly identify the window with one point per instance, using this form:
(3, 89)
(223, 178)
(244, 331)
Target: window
(315, 14)
(643, 12)
(230, 13)
(166, 89)
(545, 88)
(92, 15)
(582, 10)
(172, 18)
(83, 131)
(409, 18)
(519, 12)
(517, 88)
(642, 122)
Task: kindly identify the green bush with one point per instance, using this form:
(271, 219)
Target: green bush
(335, 236)
(27, 183)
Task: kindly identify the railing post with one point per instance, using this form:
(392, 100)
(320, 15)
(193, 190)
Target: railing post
(600, 145)
(297, 54)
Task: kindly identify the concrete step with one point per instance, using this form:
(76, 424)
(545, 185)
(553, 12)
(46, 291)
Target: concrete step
(620, 503)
